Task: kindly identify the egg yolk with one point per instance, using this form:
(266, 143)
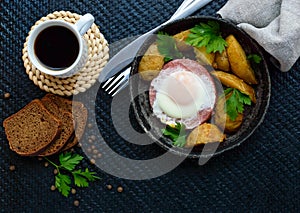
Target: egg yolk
(182, 94)
(182, 87)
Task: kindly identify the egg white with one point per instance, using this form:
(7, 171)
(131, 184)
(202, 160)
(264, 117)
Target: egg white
(177, 110)
(165, 108)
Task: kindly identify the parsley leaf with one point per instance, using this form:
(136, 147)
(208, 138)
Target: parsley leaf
(207, 35)
(69, 161)
(235, 103)
(81, 178)
(167, 47)
(255, 58)
(62, 183)
(176, 133)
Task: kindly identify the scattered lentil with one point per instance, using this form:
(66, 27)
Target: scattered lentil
(120, 189)
(99, 155)
(93, 137)
(90, 141)
(7, 95)
(90, 125)
(76, 203)
(95, 151)
(12, 167)
(46, 164)
(40, 158)
(93, 147)
(53, 188)
(89, 150)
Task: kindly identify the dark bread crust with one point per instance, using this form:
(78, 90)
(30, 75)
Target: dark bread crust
(79, 112)
(67, 128)
(32, 129)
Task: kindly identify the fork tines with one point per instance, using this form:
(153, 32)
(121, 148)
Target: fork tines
(116, 83)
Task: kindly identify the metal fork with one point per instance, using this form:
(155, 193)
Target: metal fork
(118, 82)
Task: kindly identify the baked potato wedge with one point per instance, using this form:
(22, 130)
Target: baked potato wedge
(203, 57)
(203, 134)
(239, 64)
(230, 80)
(151, 63)
(233, 126)
(222, 120)
(221, 61)
(180, 41)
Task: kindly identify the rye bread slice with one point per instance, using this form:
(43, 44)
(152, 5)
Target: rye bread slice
(79, 112)
(32, 129)
(67, 127)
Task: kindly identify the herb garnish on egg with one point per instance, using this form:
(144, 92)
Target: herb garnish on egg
(176, 133)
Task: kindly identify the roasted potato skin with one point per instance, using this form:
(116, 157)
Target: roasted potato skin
(180, 41)
(230, 80)
(222, 120)
(200, 53)
(233, 126)
(239, 64)
(151, 63)
(203, 134)
(203, 57)
(222, 61)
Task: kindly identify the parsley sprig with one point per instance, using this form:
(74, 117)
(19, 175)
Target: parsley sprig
(68, 162)
(167, 47)
(255, 58)
(235, 103)
(176, 133)
(207, 35)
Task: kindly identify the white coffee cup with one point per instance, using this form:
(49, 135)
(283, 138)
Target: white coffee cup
(80, 56)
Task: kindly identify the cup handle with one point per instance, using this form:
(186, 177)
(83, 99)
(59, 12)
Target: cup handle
(84, 23)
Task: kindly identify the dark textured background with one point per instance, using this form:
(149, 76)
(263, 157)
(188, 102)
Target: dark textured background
(260, 175)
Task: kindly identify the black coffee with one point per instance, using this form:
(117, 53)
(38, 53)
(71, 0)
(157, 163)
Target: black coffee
(56, 47)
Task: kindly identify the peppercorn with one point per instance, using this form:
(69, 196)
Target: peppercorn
(120, 189)
(76, 202)
(55, 171)
(52, 188)
(12, 167)
(92, 161)
(109, 187)
(73, 191)
(7, 95)
(93, 137)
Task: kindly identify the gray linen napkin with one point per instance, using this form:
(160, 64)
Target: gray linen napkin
(274, 24)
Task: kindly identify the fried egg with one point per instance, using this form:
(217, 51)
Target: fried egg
(183, 92)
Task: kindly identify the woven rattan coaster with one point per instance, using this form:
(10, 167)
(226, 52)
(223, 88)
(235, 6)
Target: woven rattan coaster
(83, 80)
